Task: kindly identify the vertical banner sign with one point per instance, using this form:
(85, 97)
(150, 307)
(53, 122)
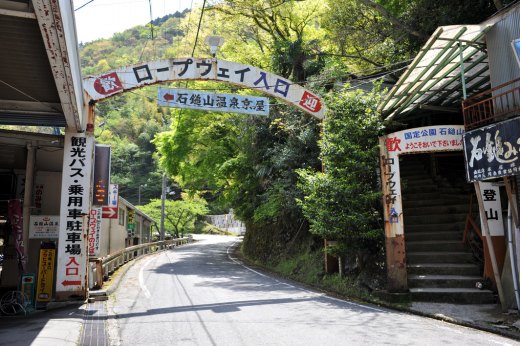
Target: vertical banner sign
(492, 208)
(111, 211)
(94, 230)
(45, 272)
(14, 213)
(101, 174)
(27, 287)
(75, 199)
(131, 222)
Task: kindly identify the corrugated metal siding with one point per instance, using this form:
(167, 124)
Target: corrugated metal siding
(502, 62)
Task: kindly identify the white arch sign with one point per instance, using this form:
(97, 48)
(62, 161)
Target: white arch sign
(179, 69)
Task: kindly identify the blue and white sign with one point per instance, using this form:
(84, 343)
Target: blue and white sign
(194, 99)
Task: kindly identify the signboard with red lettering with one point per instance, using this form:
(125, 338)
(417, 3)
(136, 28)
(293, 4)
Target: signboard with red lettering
(94, 231)
(74, 210)
(134, 76)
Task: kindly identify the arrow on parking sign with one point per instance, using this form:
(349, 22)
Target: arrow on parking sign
(109, 213)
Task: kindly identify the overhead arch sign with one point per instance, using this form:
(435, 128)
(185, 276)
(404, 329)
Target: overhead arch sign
(139, 75)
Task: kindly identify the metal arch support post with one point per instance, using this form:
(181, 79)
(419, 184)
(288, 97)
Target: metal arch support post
(462, 78)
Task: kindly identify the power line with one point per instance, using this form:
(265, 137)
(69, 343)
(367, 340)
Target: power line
(198, 27)
(85, 4)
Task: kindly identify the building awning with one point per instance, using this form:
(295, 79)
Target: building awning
(433, 80)
(40, 77)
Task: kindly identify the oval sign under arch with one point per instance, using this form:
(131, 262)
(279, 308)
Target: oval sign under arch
(139, 75)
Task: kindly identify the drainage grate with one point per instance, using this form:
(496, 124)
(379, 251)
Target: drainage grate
(94, 328)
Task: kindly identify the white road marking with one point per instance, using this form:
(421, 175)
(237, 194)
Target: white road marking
(141, 280)
(295, 287)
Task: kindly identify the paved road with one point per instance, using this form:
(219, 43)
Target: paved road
(199, 295)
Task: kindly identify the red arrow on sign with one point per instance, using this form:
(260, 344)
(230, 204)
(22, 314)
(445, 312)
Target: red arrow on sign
(169, 97)
(71, 283)
(109, 213)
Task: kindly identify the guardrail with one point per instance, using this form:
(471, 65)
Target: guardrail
(102, 268)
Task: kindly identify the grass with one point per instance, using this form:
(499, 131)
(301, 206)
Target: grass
(307, 267)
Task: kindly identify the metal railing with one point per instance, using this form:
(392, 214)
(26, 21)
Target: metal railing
(491, 105)
(102, 268)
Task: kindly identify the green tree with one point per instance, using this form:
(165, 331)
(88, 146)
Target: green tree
(179, 216)
(343, 202)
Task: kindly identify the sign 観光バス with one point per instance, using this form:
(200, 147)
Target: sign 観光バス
(194, 99)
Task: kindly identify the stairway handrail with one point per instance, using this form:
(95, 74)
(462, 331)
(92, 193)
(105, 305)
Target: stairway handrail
(471, 222)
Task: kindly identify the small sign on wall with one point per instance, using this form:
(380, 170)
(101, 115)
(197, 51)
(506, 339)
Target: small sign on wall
(44, 226)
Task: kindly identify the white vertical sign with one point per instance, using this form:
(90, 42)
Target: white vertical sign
(74, 209)
(113, 195)
(94, 231)
(492, 208)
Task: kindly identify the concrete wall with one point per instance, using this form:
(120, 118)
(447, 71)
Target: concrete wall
(227, 222)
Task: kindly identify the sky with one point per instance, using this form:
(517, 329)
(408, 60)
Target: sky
(103, 18)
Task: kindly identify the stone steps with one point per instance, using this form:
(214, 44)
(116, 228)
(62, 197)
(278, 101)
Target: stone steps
(438, 218)
(439, 257)
(435, 245)
(433, 227)
(453, 295)
(431, 236)
(465, 269)
(440, 267)
(443, 281)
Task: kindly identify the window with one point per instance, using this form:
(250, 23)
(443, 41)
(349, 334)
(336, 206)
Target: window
(516, 49)
(122, 216)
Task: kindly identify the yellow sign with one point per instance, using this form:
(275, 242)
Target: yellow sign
(45, 275)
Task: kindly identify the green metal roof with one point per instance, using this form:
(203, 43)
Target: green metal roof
(434, 76)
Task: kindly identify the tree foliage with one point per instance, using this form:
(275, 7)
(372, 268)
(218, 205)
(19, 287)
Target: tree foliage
(254, 164)
(343, 202)
(179, 216)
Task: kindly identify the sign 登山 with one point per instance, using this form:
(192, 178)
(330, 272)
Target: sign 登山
(492, 208)
(74, 210)
(44, 226)
(194, 99)
(131, 77)
(94, 231)
(493, 151)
